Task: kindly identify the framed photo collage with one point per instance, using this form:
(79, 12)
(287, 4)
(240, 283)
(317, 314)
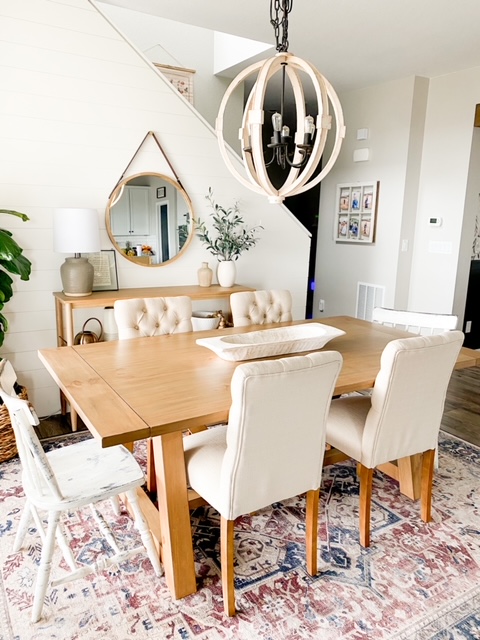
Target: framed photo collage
(356, 207)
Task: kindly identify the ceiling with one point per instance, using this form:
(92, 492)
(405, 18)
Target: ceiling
(354, 43)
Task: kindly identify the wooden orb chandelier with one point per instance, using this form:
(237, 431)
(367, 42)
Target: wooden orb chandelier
(297, 156)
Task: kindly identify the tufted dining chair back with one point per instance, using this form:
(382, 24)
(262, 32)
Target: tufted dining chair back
(261, 307)
(144, 317)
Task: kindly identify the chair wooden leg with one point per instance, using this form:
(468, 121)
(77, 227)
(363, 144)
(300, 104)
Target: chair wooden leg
(366, 479)
(115, 502)
(23, 526)
(226, 546)
(427, 481)
(145, 533)
(65, 548)
(311, 524)
(45, 567)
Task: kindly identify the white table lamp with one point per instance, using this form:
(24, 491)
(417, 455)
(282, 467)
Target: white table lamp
(76, 231)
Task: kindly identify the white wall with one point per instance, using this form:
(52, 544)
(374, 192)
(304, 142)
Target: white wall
(386, 111)
(78, 100)
(421, 151)
(443, 184)
(412, 180)
(179, 44)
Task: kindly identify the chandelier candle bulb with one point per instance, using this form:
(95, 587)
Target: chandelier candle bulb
(277, 122)
(309, 130)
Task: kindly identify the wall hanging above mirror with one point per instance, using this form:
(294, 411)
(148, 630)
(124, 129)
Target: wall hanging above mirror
(149, 215)
(180, 78)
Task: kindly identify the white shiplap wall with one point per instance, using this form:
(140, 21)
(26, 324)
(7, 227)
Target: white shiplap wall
(77, 100)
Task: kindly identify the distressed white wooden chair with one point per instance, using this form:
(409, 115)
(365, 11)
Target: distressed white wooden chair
(261, 307)
(400, 419)
(415, 321)
(272, 448)
(8, 377)
(66, 479)
(8, 381)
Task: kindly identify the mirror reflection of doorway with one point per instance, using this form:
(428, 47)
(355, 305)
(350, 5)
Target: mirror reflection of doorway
(162, 210)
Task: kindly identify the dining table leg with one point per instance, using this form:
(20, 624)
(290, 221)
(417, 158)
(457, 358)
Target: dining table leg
(151, 480)
(408, 473)
(176, 531)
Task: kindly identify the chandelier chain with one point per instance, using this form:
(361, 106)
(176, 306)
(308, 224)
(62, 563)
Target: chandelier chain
(280, 23)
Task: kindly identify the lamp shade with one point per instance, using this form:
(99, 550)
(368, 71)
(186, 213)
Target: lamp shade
(76, 231)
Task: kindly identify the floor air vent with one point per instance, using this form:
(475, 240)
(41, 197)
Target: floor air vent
(369, 296)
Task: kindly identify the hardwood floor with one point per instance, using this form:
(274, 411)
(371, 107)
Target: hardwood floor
(461, 417)
(57, 426)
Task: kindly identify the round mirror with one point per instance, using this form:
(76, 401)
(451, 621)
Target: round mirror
(149, 219)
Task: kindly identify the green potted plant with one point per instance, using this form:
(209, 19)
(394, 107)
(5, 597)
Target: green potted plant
(229, 239)
(13, 261)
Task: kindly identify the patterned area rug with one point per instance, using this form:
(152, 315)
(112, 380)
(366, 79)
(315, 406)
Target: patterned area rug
(416, 581)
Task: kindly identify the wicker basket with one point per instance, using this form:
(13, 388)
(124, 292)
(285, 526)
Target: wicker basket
(8, 446)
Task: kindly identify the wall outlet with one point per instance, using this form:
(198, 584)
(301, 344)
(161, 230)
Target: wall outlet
(321, 305)
(468, 326)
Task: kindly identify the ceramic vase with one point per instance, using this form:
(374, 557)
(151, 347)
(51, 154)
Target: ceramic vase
(205, 275)
(110, 329)
(226, 273)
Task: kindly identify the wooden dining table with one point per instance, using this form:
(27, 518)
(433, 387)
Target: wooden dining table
(160, 387)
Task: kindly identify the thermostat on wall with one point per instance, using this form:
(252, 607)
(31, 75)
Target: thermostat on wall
(435, 222)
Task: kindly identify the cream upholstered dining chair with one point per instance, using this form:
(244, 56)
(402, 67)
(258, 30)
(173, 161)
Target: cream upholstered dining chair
(402, 416)
(415, 321)
(68, 479)
(272, 448)
(261, 307)
(140, 317)
(419, 322)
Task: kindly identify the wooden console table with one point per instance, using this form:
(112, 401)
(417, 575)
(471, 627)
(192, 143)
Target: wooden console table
(66, 305)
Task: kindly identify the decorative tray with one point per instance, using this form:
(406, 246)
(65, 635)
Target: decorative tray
(271, 342)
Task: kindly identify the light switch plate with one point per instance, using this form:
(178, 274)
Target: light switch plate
(360, 155)
(362, 134)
